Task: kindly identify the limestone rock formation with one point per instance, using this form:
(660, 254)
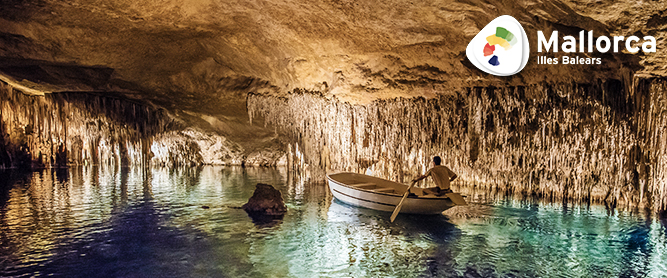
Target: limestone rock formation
(203, 56)
(382, 83)
(60, 129)
(585, 142)
(63, 129)
(266, 201)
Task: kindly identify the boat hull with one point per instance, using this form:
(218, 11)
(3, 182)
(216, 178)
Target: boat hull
(342, 187)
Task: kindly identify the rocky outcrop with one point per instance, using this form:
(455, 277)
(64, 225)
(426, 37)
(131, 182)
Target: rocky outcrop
(594, 142)
(266, 201)
(194, 147)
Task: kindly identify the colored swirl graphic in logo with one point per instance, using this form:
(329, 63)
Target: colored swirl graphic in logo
(503, 38)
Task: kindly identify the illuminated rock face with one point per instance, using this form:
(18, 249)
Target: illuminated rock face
(585, 142)
(62, 129)
(193, 147)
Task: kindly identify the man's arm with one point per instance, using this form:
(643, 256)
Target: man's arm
(422, 176)
(419, 178)
(453, 177)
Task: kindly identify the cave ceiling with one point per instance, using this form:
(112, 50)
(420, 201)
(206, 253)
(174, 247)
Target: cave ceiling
(199, 58)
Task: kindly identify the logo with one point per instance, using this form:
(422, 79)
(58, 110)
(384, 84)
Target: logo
(501, 48)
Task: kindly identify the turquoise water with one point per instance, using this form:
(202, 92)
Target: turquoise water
(131, 222)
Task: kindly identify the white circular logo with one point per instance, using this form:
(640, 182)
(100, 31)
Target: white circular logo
(500, 48)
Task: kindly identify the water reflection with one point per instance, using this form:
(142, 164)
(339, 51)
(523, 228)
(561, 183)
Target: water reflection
(134, 222)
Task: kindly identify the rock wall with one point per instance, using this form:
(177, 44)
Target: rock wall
(597, 142)
(62, 129)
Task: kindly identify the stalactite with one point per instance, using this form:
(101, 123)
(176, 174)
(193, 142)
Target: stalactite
(60, 129)
(650, 153)
(594, 142)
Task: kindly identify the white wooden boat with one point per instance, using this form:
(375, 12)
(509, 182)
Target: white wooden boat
(380, 194)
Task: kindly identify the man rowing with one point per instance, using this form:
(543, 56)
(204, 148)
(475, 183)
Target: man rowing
(441, 175)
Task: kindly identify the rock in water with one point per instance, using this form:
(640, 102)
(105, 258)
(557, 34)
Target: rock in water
(266, 201)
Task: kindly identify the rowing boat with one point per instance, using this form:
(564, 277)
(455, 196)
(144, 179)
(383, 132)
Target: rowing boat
(381, 194)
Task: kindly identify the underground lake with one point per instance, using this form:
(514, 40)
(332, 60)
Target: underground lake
(185, 222)
(278, 138)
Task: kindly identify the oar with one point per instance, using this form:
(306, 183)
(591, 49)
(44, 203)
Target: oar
(400, 204)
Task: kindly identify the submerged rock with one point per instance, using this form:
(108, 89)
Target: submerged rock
(266, 202)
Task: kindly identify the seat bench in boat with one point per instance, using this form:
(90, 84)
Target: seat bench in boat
(385, 190)
(366, 185)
